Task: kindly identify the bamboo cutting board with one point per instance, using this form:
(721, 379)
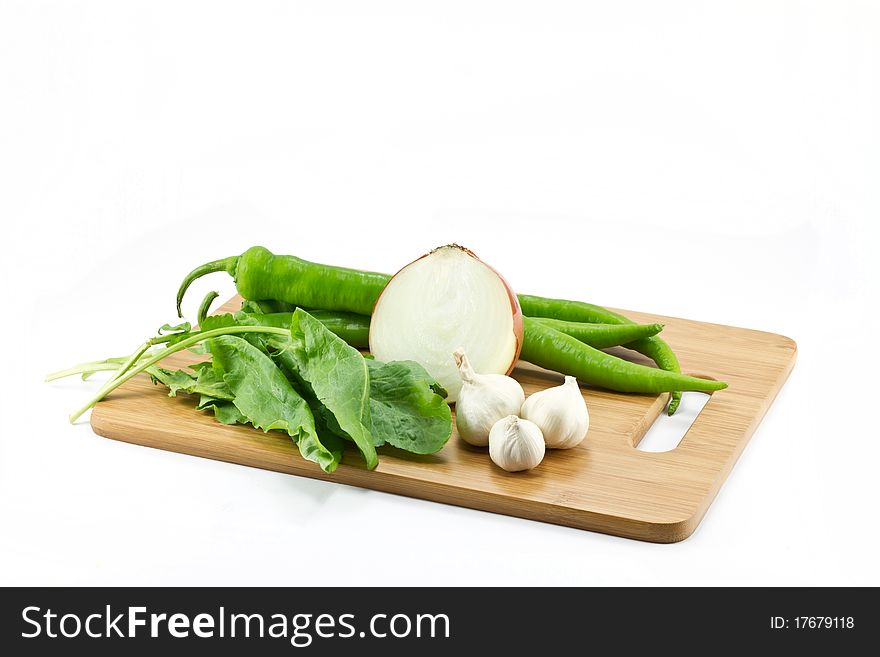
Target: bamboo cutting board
(603, 485)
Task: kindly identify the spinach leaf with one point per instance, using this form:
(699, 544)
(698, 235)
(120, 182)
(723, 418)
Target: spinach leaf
(203, 381)
(266, 398)
(333, 443)
(213, 393)
(224, 411)
(221, 320)
(173, 334)
(209, 382)
(408, 407)
(174, 380)
(183, 327)
(337, 376)
(279, 350)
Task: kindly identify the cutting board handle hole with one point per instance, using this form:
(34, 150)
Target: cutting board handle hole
(665, 434)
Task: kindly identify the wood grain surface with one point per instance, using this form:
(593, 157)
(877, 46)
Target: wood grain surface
(603, 485)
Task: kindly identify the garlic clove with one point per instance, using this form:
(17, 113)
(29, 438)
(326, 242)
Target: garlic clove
(483, 400)
(561, 414)
(516, 444)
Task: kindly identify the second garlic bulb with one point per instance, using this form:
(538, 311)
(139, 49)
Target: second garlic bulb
(561, 413)
(515, 444)
(484, 399)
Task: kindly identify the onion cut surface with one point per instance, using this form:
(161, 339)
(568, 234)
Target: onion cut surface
(446, 300)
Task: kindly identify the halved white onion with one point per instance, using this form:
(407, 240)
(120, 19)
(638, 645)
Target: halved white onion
(446, 300)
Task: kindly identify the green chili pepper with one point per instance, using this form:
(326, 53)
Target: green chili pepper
(205, 306)
(602, 336)
(546, 347)
(579, 311)
(259, 274)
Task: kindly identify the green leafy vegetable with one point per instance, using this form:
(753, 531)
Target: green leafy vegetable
(220, 320)
(408, 407)
(337, 376)
(224, 411)
(304, 380)
(202, 381)
(174, 380)
(209, 382)
(183, 327)
(267, 399)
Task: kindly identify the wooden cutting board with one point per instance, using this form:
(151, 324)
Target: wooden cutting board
(603, 485)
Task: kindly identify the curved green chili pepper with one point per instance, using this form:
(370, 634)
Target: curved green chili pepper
(579, 311)
(205, 306)
(602, 336)
(546, 347)
(259, 274)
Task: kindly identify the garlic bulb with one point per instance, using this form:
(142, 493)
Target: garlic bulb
(484, 399)
(516, 444)
(561, 413)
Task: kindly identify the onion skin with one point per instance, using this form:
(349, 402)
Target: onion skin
(518, 327)
(516, 310)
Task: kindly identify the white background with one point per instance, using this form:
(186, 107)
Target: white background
(717, 161)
